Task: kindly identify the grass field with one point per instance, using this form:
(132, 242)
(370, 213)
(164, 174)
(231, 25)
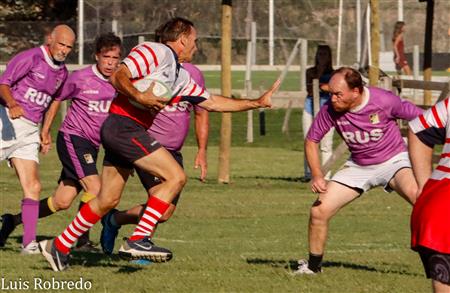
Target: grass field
(239, 237)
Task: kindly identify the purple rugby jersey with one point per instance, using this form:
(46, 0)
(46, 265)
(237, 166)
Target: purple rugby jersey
(91, 95)
(370, 132)
(34, 79)
(171, 124)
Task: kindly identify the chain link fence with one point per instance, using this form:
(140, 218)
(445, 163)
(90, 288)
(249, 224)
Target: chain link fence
(315, 20)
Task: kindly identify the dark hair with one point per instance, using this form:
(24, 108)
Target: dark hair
(173, 29)
(106, 42)
(323, 60)
(352, 78)
(397, 29)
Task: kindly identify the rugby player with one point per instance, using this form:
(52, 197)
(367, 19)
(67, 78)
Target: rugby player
(78, 138)
(365, 118)
(31, 80)
(170, 128)
(127, 143)
(430, 229)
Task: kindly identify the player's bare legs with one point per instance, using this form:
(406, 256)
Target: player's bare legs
(405, 185)
(335, 197)
(163, 165)
(28, 174)
(110, 193)
(323, 209)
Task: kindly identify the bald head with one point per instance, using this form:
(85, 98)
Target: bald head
(60, 42)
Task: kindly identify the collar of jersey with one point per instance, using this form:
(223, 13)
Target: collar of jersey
(49, 59)
(97, 73)
(365, 100)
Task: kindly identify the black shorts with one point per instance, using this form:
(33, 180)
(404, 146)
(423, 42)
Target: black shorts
(436, 264)
(148, 180)
(77, 155)
(125, 141)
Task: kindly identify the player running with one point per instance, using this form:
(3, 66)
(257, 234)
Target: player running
(127, 143)
(365, 118)
(170, 128)
(78, 138)
(27, 87)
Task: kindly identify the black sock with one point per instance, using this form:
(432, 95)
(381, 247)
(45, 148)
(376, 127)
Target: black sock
(315, 262)
(17, 219)
(44, 211)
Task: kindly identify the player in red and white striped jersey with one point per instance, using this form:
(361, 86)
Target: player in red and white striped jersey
(430, 228)
(127, 144)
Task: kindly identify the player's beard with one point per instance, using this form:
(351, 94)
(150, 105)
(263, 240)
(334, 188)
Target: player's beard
(59, 57)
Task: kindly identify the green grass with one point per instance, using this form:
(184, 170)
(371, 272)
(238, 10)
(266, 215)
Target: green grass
(242, 236)
(266, 78)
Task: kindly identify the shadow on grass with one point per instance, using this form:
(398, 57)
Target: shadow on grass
(85, 259)
(293, 265)
(18, 239)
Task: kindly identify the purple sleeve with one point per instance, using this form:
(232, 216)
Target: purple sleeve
(17, 68)
(321, 124)
(68, 90)
(404, 109)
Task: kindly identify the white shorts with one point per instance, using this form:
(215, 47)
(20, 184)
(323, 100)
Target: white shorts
(19, 138)
(368, 177)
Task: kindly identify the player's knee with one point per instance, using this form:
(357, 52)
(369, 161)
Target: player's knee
(319, 214)
(178, 180)
(32, 188)
(411, 193)
(61, 203)
(108, 203)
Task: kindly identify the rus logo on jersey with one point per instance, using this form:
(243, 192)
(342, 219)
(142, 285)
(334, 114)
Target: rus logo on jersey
(182, 106)
(37, 97)
(362, 137)
(99, 106)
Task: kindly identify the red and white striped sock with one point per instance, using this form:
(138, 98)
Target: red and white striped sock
(84, 220)
(154, 210)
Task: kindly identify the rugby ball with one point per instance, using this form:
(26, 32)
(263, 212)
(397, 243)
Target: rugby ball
(160, 89)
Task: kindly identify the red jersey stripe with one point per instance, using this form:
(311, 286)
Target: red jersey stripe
(145, 60)
(201, 93)
(423, 121)
(190, 93)
(436, 116)
(443, 168)
(135, 64)
(153, 54)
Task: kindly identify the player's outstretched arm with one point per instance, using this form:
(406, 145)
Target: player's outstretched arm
(224, 104)
(15, 110)
(120, 79)
(318, 182)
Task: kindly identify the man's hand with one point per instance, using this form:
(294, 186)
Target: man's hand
(46, 142)
(15, 111)
(200, 161)
(265, 100)
(149, 100)
(318, 184)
